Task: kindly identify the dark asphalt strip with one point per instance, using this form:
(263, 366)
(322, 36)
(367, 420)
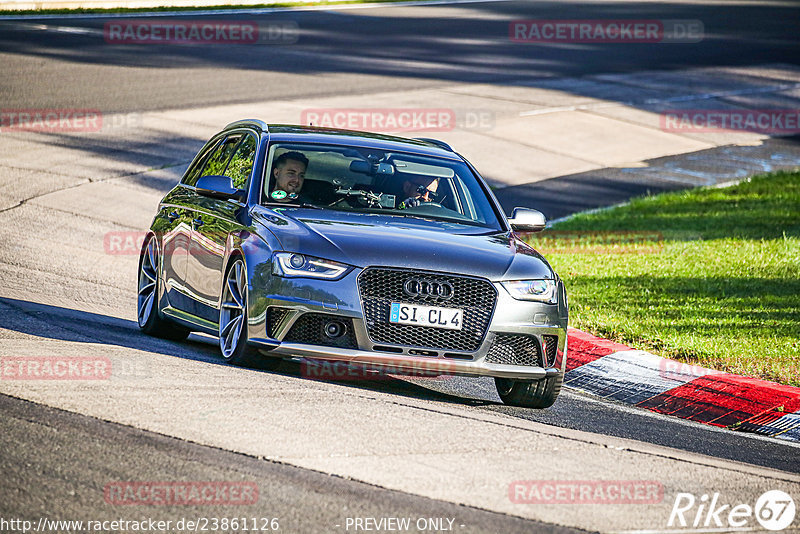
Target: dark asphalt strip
(367, 51)
(64, 479)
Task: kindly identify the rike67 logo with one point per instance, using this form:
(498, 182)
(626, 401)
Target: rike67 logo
(774, 510)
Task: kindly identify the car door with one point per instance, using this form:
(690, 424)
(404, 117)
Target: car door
(175, 230)
(213, 220)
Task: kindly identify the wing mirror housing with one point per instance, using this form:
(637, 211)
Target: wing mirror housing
(527, 220)
(219, 187)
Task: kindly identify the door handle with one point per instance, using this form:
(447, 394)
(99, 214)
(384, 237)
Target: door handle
(197, 223)
(172, 216)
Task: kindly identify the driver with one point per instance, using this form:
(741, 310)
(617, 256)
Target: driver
(288, 174)
(419, 189)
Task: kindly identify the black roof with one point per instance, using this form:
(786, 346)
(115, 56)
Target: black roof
(317, 134)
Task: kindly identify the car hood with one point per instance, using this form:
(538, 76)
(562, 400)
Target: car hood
(365, 240)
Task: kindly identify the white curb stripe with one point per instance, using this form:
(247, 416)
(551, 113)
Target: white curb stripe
(787, 427)
(632, 376)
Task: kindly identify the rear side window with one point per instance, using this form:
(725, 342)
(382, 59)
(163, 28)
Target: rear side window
(241, 164)
(219, 159)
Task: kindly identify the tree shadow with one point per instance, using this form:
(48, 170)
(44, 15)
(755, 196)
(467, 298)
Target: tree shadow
(364, 41)
(386, 47)
(565, 195)
(435, 48)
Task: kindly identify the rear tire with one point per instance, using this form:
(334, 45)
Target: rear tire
(148, 314)
(529, 393)
(233, 322)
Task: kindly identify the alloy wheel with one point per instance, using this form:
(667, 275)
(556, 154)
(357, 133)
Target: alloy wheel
(148, 272)
(233, 310)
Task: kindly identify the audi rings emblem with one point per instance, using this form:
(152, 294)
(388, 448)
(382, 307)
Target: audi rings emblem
(428, 289)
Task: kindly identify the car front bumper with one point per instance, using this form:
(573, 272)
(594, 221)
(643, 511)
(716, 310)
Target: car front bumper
(341, 299)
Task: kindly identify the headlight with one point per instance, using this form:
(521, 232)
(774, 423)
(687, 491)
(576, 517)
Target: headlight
(537, 290)
(291, 264)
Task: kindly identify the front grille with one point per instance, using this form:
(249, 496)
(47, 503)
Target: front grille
(275, 317)
(309, 329)
(379, 288)
(550, 349)
(515, 349)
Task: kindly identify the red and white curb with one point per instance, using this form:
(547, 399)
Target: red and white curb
(618, 372)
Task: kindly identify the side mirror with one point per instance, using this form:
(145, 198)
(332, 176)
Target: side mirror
(219, 187)
(527, 220)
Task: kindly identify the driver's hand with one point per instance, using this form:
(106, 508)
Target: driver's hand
(410, 202)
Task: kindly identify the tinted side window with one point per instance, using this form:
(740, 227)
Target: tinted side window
(241, 164)
(191, 176)
(219, 159)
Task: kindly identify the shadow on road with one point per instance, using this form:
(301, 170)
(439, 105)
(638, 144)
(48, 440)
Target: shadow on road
(396, 43)
(64, 324)
(388, 49)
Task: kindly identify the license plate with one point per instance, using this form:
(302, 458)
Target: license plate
(414, 314)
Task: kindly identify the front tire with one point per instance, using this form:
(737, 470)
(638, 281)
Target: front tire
(148, 314)
(529, 393)
(233, 322)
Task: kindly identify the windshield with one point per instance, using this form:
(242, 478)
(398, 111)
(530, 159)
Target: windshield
(366, 180)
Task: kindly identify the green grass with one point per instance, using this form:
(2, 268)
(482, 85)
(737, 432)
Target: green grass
(722, 289)
(183, 8)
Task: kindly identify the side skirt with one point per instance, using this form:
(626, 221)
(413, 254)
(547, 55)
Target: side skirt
(191, 321)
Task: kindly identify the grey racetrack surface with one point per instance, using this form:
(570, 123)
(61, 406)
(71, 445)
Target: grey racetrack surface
(353, 54)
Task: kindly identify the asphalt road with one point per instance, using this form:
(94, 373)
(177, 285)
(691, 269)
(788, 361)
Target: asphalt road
(347, 52)
(67, 479)
(564, 195)
(365, 51)
(573, 410)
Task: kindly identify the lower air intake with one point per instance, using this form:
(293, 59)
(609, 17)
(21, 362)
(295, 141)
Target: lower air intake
(515, 349)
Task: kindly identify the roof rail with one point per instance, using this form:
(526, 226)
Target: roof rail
(440, 144)
(253, 123)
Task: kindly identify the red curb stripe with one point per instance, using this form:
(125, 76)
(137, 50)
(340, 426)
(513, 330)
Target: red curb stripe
(724, 399)
(583, 348)
(719, 399)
